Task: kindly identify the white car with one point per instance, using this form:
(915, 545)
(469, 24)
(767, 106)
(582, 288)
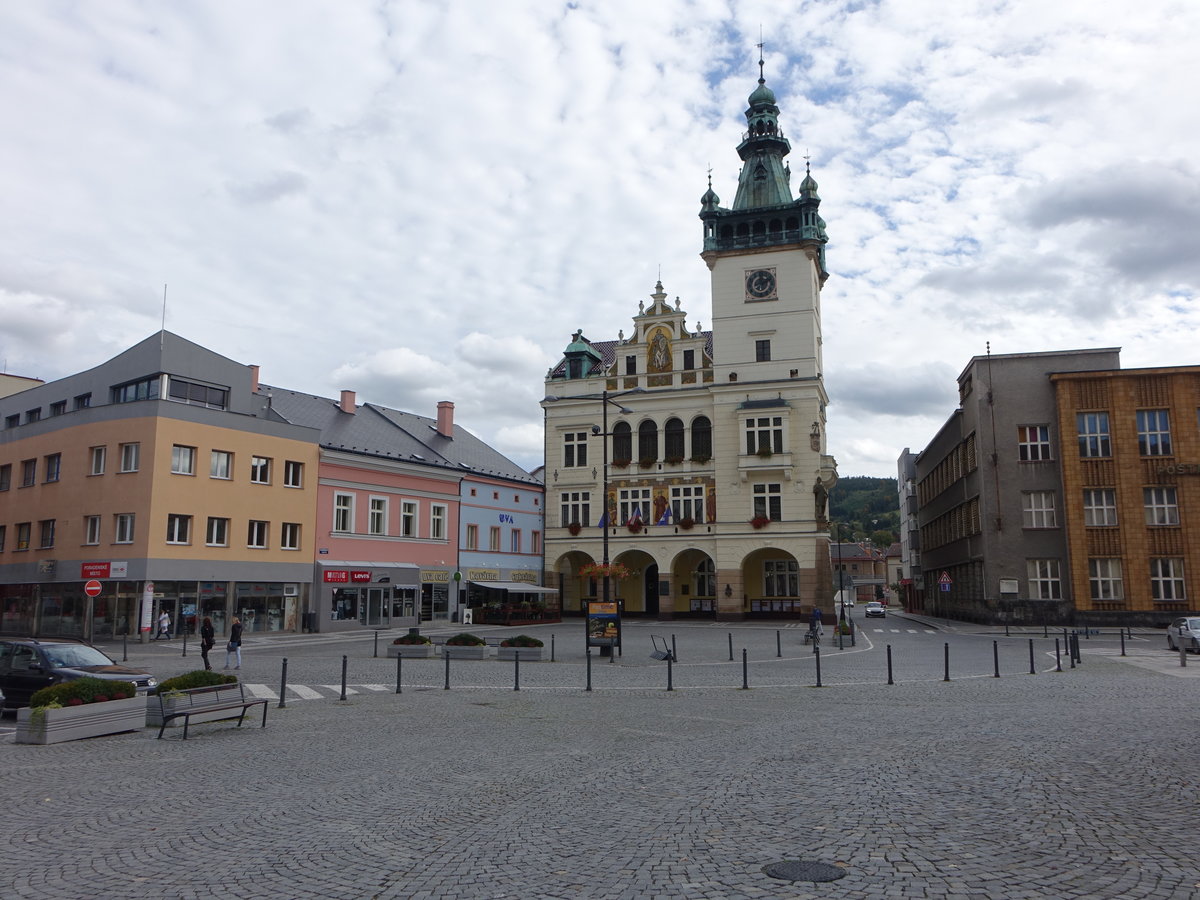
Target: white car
(1184, 633)
(875, 609)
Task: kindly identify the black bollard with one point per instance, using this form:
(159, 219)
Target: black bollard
(589, 668)
(1182, 655)
(818, 657)
(551, 648)
(674, 655)
(946, 653)
(1006, 629)
(1071, 653)
(1045, 630)
(1057, 657)
(125, 647)
(399, 672)
(745, 672)
(731, 646)
(853, 631)
(283, 685)
(996, 658)
(185, 631)
(1078, 655)
(778, 643)
(343, 697)
(841, 637)
(375, 652)
(889, 656)
(1032, 670)
(516, 670)
(446, 653)
(1122, 643)
(670, 676)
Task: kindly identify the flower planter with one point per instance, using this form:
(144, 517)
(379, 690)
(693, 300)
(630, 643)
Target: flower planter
(410, 651)
(72, 723)
(528, 654)
(458, 652)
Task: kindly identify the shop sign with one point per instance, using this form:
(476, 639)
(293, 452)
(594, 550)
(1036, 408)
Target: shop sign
(47, 566)
(335, 576)
(435, 576)
(360, 577)
(526, 577)
(95, 570)
(1179, 469)
(483, 575)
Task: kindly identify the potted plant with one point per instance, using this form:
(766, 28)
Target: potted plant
(686, 523)
(574, 528)
(411, 646)
(634, 525)
(673, 460)
(701, 459)
(466, 646)
(764, 452)
(80, 708)
(169, 690)
(599, 570)
(647, 462)
(760, 522)
(622, 463)
(530, 648)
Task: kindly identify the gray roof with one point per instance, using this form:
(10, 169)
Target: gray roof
(384, 433)
(608, 351)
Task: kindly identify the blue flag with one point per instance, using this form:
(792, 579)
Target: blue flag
(603, 520)
(666, 517)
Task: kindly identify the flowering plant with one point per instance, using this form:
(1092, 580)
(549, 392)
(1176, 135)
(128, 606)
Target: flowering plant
(686, 523)
(760, 521)
(599, 570)
(574, 528)
(634, 525)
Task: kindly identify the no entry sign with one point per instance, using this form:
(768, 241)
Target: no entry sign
(93, 588)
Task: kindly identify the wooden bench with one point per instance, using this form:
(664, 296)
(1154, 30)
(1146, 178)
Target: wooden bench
(219, 698)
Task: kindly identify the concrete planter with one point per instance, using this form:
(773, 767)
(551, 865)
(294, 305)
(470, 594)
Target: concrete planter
(154, 712)
(465, 652)
(410, 651)
(528, 654)
(72, 723)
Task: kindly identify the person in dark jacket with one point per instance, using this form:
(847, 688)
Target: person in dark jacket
(208, 639)
(235, 643)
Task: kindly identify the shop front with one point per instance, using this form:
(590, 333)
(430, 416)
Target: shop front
(367, 595)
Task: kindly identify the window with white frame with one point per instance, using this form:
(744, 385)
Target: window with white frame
(574, 508)
(574, 449)
(130, 455)
(1161, 506)
(289, 536)
(260, 470)
(687, 502)
(768, 502)
(257, 532)
(494, 538)
(123, 528)
(377, 516)
(220, 465)
(764, 434)
(472, 537)
(343, 513)
(183, 460)
(514, 541)
(1094, 439)
(217, 533)
(408, 518)
(1104, 579)
(1033, 443)
(98, 457)
(437, 522)
(91, 529)
(1045, 580)
(1100, 506)
(634, 503)
(53, 465)
(1038, 509)
(1154, 432)
(1166, 579)
(179, 529)
(781, 578)
(293, 474)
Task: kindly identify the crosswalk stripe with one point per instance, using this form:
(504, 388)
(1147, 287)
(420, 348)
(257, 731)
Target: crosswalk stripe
(337, 689)
(305, 693)
(260, 691)
(375, 687)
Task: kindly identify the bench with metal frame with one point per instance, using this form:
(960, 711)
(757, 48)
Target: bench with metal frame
(229, 698)
(661, 650)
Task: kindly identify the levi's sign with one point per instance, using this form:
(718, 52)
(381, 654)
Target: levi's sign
(343, 576)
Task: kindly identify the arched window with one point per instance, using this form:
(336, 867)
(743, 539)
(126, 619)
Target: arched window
(760, 227)
(793, 224)
(622, 443)
(704, 579)
(673, 443)
(775, 227)
(701, 438)
(647, 441)
(743, 230)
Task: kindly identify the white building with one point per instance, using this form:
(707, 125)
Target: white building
(717, 475)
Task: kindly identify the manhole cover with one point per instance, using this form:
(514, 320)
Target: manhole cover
(802, 870)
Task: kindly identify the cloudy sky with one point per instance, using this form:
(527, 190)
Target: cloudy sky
(422, 200)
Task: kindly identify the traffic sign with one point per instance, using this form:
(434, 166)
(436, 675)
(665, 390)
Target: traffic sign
(93, 588)
(944, 578)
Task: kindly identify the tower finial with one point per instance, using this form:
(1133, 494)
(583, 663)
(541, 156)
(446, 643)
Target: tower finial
(761, 78)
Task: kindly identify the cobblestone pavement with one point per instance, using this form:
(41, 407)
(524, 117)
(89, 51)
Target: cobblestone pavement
(1079, 784)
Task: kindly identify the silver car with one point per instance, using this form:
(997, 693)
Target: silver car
(1185, 633)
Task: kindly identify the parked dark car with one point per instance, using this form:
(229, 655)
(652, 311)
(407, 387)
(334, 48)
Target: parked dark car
(27, 665)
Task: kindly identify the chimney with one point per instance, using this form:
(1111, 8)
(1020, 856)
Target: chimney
(347, 404)
(445, 419)
(254, 379)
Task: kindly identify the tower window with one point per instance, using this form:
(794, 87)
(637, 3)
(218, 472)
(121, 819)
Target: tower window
(762, 351)
(631, 365)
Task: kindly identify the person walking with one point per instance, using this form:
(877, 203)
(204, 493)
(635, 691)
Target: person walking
(164, 627)
(235, 643)
(208, 638)
(816, 626)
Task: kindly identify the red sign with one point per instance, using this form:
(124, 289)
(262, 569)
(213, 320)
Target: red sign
(945, 578)
(360, 576)
(336, 576)
(95, 570)
(93, 588)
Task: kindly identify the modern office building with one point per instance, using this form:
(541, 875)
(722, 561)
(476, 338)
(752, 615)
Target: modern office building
(696, 460)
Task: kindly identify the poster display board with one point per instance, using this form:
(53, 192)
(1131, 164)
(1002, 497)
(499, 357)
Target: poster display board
(603, 624)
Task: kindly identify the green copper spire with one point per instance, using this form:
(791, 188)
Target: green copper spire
(764, 180)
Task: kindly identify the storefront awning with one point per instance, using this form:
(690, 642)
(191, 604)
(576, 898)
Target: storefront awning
(516, 587)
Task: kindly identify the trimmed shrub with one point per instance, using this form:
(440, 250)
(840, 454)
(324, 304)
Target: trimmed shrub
(522, 640)
(79, 691)
(413, 639)
(194, 679)
(465, 640)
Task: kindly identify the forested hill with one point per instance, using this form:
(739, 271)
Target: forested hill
(866, 507)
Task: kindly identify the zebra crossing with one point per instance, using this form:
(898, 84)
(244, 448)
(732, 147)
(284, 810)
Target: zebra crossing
(900, 630)
(307, 692)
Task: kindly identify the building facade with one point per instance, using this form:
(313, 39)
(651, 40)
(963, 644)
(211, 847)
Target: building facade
(911, 577)
(698, 459)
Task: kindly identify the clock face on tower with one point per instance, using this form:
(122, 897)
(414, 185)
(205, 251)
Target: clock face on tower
(760, 284)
